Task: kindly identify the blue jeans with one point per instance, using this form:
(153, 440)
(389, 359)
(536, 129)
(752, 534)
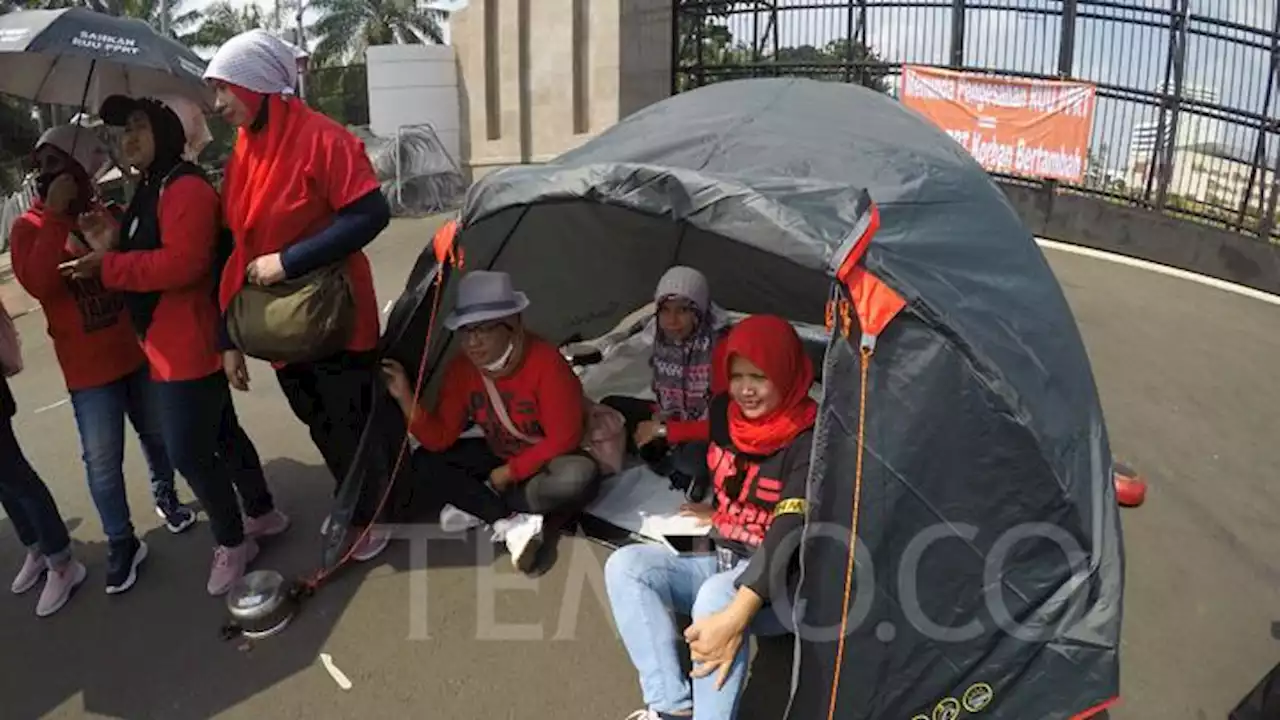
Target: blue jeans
(645, 584)
(27, 502)
(100, 414)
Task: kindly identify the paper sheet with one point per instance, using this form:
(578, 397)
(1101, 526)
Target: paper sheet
(641, 501)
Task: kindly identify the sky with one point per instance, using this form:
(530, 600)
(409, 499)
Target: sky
(1112, 48)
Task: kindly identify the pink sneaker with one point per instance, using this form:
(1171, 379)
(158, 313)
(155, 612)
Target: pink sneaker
(58, 586)
(372, 545)
(229, 565)
(273, 523)
(33, 566)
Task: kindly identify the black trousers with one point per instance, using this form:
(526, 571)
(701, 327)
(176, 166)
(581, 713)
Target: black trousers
(458, 477)
(684, 464)
(209, 447)
(333, 397)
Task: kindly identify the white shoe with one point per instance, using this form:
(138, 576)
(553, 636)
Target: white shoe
(58, 586)
(453, 520)
(523, 537)
(645, 714)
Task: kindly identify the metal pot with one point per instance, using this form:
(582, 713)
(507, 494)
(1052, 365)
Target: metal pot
(261, 604)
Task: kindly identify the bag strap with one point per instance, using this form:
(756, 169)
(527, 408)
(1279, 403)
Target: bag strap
(500, 410)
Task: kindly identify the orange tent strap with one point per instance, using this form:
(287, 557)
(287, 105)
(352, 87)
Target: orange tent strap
(1095, 710)
(875, 303)
(442, 243)
(850, 262)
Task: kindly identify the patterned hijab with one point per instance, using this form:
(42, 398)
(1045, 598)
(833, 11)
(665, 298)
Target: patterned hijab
(682, 370)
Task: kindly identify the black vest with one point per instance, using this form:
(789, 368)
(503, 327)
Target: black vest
(140, 230)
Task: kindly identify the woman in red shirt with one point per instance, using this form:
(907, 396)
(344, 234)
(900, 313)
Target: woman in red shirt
(522, 392)
(104, 369)
(299, 194)
(162, 258)
(761, 434)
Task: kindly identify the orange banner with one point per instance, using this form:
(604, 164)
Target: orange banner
(1016, 126)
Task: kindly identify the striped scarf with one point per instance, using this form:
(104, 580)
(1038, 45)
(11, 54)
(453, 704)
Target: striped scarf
(682, 372)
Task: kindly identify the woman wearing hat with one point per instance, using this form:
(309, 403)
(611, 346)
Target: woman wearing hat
(522, 392)
(162, 258)
(93, 339)
(300, 194)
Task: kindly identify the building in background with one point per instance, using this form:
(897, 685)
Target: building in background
(539, 77)
(1193, 129)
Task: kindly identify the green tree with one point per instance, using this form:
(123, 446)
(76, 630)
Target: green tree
(223, 21)
(347, 28)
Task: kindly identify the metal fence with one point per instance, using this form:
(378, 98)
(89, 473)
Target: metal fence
(1187, 98)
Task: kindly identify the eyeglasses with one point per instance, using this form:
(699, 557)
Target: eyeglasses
(484, 328)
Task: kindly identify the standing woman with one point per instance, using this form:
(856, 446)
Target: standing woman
(93, 340)
(35, 518)
(299, 194)
(162, 258)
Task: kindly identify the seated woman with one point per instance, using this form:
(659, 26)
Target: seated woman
(688, 363)
(761, 433)
(523, 393)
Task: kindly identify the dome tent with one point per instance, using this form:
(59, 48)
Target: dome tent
(960, 440)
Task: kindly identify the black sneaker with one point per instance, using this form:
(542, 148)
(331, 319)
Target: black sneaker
(123, 559)
(177, 517)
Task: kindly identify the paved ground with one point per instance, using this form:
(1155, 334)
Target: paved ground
(1185, 376)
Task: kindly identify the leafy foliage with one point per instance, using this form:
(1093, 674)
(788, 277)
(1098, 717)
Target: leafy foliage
(710, 53)
(348, 27)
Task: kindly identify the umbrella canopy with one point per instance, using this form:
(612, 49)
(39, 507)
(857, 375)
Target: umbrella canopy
(66, 57)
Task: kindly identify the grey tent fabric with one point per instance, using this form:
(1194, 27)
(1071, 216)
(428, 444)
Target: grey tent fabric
(989, 564)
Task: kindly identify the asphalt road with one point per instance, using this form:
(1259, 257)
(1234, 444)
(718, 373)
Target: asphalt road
(1184, 372)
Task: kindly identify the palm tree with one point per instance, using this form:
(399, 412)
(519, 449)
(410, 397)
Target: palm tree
(223, 21)
(347, 28)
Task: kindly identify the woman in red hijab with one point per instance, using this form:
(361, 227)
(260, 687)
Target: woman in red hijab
(299, 194)
(761, 434)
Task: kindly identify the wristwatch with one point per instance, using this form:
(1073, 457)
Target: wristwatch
(662, 430)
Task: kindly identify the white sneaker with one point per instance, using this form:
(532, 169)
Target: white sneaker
(453, 520)
(523, 536)
(58, 586)
(645, 714)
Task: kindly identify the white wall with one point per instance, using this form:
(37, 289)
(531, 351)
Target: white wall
(415, 84)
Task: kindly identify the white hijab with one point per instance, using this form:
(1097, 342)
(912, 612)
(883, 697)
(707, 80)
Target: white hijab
(256, 60)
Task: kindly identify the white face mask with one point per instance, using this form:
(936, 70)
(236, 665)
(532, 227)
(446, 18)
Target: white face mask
(501, 362)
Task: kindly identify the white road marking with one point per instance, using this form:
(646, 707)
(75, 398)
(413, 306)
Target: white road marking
(60, 403)
(1162, 269)
(337, 675)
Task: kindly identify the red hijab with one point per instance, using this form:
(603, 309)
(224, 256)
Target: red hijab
(771, 344)
(266, 199)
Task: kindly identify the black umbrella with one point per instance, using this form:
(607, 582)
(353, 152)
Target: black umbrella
(77, 56)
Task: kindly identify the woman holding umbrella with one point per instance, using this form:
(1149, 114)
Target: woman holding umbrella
(300, 194)
(162, 258)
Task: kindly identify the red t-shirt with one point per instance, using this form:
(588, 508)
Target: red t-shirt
(286, 185)
(543, 399)
(182, 341)
(90, 328)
